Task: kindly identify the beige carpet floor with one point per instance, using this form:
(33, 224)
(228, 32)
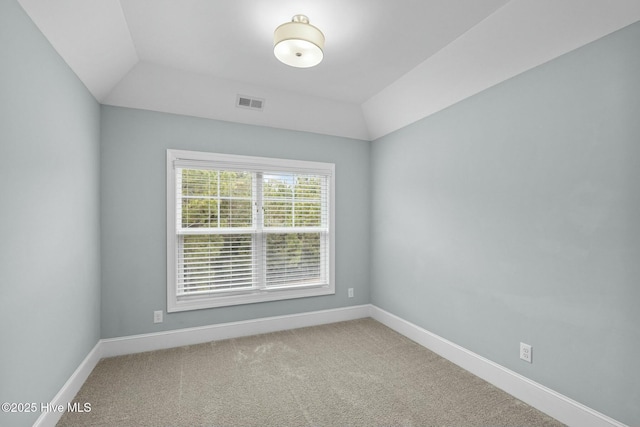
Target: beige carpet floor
(356, 373)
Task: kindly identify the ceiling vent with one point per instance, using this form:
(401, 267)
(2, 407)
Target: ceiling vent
(251, 103)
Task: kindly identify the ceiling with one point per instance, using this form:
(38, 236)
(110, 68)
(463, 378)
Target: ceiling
(381, 57)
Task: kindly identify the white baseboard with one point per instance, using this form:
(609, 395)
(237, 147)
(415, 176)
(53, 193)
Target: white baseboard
(546, 400)
(558, 406)
(189, 336)
(70, 388)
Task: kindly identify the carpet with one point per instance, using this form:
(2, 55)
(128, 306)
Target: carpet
(355, 373)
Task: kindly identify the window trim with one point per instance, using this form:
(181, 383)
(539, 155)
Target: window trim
(255, 164)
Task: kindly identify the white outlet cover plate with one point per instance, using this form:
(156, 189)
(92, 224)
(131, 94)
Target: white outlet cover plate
(157, 316)
(526, 352)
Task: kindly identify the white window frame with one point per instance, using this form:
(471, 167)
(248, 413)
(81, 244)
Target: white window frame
(254, 164)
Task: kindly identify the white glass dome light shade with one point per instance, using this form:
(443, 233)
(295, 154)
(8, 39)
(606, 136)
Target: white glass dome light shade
(298, 43)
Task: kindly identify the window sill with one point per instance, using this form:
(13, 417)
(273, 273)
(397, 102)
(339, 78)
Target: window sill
(197, 303)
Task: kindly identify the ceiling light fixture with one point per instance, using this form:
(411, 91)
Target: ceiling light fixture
(298, 43)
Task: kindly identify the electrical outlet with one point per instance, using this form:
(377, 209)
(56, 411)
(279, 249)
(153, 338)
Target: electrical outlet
(526, 352)
(350, 292)
(157, 316)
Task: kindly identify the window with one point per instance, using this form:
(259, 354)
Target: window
(247, 229)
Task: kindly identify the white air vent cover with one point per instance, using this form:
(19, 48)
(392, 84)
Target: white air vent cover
(251, 103)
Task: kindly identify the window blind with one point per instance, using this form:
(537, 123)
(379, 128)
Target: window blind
(295, 223)
(249, 230)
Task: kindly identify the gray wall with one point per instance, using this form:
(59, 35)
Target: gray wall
(49, 204)
(133, 162)
(515, 216)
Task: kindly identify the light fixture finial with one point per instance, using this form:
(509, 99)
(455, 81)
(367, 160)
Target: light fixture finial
(300, 18)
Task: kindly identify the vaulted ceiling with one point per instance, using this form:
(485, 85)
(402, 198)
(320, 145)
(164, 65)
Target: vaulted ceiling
(387, 63)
